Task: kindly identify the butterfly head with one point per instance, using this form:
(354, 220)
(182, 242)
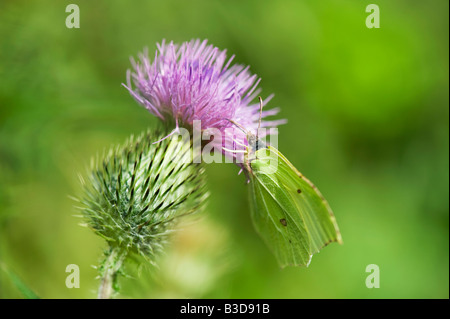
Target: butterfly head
(254, 142)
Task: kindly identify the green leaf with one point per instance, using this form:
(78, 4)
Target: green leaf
(23, 288)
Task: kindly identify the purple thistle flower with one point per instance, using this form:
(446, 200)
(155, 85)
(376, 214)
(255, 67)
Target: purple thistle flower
(194, 81)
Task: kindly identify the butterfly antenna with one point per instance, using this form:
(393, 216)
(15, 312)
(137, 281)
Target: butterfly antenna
(260, 111)
(238, 126)
(260, 116)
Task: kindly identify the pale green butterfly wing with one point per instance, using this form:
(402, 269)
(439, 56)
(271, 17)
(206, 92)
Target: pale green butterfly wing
(288, 211)
(289, 244)
(317, 214)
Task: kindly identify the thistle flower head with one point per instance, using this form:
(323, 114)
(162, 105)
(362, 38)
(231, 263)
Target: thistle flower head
(196, 81)
(137, 191)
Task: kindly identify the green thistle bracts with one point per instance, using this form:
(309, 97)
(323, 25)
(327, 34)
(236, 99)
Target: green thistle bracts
(139, 190)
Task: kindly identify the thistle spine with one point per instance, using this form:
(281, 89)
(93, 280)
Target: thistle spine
(134, 196)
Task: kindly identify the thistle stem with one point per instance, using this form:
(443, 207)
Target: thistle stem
(109, 270)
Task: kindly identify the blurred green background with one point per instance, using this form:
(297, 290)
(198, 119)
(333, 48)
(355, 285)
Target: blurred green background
(368, 123)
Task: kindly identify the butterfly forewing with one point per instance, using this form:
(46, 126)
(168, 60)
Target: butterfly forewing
(288, 210)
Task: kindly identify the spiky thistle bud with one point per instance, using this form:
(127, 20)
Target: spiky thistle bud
(135, 194)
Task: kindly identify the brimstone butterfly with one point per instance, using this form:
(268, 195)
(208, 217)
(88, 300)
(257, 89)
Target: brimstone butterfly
(287, 210)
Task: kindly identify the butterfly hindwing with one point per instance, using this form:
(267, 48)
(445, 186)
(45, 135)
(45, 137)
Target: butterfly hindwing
(288, 210)
(289, 243)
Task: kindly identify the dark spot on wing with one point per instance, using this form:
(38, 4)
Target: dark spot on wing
(328, 242)
(299, 190)
(283, 222)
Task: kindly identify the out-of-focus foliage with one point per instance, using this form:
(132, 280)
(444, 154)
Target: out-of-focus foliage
(368, 124)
